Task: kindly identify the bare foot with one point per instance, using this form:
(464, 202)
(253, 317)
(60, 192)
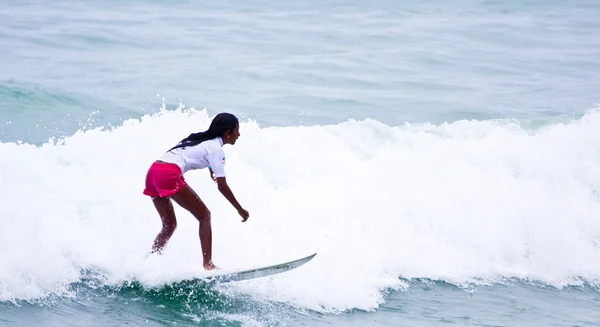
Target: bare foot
(210, 266)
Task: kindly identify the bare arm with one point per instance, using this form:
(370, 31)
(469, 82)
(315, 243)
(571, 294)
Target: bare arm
(228, 194)
(212, 174)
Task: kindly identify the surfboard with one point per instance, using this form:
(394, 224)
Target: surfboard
(234, 275)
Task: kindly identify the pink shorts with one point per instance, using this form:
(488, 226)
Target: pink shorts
(164, 179)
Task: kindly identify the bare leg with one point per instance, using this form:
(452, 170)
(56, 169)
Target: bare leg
(188, 199)
(169, 222)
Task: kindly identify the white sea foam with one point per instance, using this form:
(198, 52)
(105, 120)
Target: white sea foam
(471, 200)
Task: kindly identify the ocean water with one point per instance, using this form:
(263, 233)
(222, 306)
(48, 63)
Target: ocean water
(441, 157)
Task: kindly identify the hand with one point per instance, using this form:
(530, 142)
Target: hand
(244, 214)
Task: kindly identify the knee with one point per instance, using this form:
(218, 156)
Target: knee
(170, 226)
(203, 216)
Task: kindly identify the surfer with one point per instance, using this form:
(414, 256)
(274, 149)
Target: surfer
(164, 181)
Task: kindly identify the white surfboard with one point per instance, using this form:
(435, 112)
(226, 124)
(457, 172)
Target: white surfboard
(234, 275)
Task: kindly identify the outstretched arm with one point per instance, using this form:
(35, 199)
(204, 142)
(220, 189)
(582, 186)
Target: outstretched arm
(228, 194)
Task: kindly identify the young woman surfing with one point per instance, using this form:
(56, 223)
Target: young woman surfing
(165, 181)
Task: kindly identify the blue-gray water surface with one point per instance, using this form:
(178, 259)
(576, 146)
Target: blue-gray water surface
(463, 138)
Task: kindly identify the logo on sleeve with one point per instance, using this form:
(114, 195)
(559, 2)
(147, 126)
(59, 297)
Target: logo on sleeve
(223, 160)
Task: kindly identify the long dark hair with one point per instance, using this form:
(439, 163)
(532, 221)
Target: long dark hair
(222, 123)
